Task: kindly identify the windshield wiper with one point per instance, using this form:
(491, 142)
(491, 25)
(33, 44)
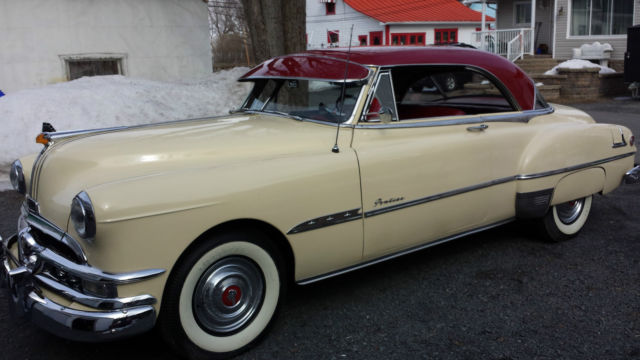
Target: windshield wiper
(282, 113)
(237, 110)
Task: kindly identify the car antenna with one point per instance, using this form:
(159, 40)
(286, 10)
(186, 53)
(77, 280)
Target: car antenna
(335, 148)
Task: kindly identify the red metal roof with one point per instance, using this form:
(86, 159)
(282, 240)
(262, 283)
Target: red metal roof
(403, 11)
(329, 64)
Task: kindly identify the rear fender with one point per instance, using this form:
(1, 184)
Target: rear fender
(578, 185)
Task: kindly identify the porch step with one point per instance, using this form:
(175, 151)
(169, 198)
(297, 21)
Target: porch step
(537, 64)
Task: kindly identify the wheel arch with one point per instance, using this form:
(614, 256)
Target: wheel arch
(578, 185)
(274, 235)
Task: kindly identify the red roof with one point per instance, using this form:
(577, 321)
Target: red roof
(403, 11)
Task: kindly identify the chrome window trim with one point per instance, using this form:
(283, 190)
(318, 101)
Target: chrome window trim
(352, 118)
(522, 117)
(400, 253)
(509, 96)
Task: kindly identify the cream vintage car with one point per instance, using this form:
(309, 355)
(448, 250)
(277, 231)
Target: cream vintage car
(336, 160)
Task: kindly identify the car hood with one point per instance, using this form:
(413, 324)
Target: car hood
(89, 161)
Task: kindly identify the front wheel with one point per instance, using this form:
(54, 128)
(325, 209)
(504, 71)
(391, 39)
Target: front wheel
(222, 296)
(565, 220)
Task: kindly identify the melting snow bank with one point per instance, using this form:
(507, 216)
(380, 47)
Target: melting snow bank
(107, 101)
(579, 64)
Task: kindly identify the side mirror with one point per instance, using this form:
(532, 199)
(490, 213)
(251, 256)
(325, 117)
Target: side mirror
(385, 114)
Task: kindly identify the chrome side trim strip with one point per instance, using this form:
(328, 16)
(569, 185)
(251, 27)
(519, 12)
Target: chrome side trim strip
(94, 274)
(327, 220)
(400, 253)
(332, 219)
(437, 196)
(65, 134)
(92, 301)
(523, 117)
(574, 167)
(86, 272)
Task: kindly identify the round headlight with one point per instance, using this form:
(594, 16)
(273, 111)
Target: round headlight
(17, 178)
(82, 216)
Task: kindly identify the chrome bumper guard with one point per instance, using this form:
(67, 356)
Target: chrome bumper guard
(632, 176)
(38, 267)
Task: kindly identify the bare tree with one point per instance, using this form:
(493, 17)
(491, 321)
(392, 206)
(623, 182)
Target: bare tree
(276, 27)
(228, 33)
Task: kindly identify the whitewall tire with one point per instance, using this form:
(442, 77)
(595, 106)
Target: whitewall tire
(222, 296)
(564, 221)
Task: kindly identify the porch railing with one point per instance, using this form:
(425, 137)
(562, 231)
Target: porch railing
(510, 43)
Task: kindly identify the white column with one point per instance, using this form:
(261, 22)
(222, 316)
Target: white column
(533, 27)
(482, 28)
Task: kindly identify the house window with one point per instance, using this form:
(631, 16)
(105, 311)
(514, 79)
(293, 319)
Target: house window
(80, 66)
(330, 8)
(446, 36)
(601, 17)
(362, 39)
(522, 12)
(376, 38)
(333, 37)
(408, 39)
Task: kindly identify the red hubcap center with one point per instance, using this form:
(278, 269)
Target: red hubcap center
(231, 295)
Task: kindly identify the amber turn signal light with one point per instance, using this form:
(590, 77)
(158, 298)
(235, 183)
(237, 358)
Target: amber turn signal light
(41, 139)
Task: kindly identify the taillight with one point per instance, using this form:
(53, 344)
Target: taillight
(632, 140)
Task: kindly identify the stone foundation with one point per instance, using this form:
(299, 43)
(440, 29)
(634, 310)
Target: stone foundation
(584, 84)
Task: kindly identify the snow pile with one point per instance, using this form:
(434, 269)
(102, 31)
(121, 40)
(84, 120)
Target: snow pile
(106, 101)
(579, 64)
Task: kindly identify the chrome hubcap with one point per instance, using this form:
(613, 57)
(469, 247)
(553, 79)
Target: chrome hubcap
(570, 211)
(228, 295)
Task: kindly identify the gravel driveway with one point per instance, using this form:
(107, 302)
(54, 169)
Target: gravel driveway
(501, 294)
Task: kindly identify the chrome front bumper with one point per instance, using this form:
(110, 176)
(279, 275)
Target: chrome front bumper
(632, 176)
(37, 268)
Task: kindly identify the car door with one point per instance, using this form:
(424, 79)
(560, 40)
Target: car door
(427, 174)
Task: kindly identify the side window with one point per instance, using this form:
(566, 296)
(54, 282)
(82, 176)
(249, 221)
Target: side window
(434, 91)
(383, 99)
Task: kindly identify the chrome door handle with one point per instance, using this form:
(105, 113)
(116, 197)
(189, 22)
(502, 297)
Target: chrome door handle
(481, 127)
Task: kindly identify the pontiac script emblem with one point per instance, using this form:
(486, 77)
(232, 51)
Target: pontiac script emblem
(381, 202)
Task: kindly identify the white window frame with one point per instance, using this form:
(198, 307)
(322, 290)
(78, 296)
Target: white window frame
(120, 57)
(515, 13)
(595, 37)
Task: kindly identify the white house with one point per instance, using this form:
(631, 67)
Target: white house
(389, 22)
(44, 42)
(559, 26)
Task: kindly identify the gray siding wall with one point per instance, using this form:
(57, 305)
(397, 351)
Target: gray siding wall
(564, 44)
(544, 15)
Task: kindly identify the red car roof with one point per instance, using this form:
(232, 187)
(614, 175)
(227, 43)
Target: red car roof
(329, 64)
(394, 11)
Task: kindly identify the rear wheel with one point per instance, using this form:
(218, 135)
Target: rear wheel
(222, 296)
(565, 220)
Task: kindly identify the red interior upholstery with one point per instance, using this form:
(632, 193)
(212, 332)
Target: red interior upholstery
(416, 111)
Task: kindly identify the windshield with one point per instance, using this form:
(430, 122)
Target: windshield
(309, 99)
